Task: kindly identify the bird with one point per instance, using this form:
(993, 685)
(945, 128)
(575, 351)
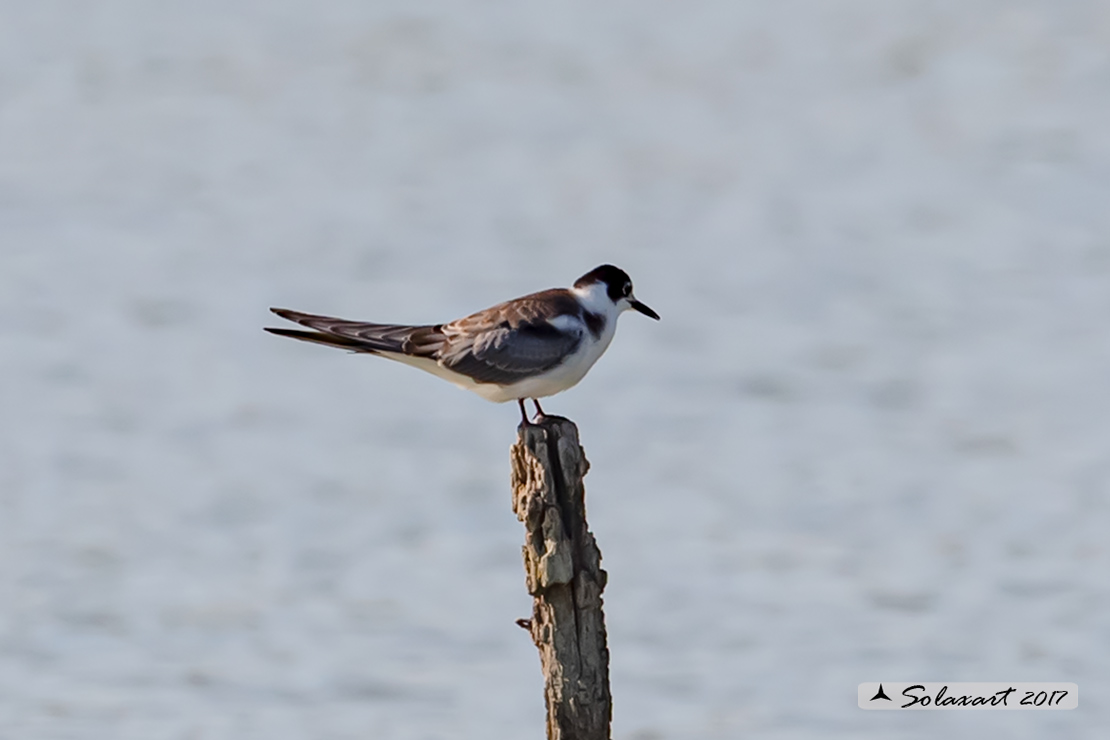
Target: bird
(530, 347)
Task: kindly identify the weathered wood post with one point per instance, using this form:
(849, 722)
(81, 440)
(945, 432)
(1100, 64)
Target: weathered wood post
(562, 567)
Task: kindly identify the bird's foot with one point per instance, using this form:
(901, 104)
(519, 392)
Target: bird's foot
(540, 417)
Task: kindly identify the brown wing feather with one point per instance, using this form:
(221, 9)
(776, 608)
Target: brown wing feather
(511, 314)
(478, 345)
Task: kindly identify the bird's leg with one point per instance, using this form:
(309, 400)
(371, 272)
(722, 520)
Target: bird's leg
(539, 411)
(523, 413)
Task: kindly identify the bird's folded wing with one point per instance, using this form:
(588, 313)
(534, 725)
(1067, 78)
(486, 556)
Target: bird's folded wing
(504, 353)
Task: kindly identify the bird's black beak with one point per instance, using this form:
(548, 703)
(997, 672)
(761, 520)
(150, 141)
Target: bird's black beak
(642, 308)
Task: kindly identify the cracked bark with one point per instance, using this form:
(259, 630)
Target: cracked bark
(562, 567)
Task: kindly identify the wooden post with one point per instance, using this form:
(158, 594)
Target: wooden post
(563, 573)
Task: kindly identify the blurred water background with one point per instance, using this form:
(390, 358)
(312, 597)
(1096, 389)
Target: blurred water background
(868, 441)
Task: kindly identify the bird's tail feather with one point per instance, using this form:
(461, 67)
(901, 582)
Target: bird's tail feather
(328, 340)
(360, 336)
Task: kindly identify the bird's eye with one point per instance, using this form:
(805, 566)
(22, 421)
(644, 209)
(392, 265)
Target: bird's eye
(627, 289)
